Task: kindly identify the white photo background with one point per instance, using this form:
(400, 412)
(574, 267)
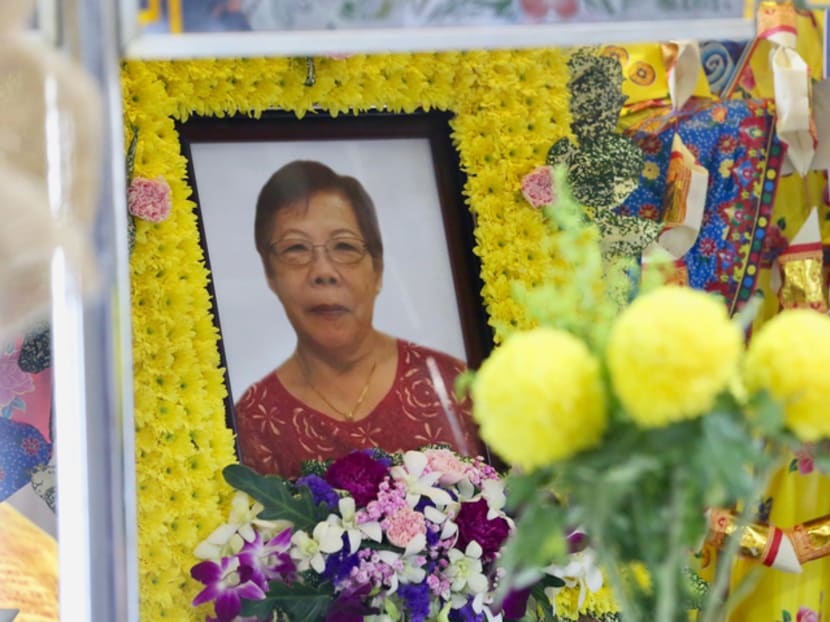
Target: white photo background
(418, 300)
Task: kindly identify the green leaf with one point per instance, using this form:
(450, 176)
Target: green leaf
(464, 384)
(632, 470)
(524, 488)
(280, 499)
(539, 608)
(391, 609)
(131, 154)
(767, 413)
(821, 461)
(550, 581)
(538, 539)
(300, 602)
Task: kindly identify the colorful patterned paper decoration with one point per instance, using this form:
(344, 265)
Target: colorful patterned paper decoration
(43, 483)
(719, 60)
(602, 171)
(25, 410)
(733, 140)
(35, 352)
(596, 95)
(22, 449)
(603, 167)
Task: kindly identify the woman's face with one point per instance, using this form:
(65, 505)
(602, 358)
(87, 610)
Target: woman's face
(329, 304)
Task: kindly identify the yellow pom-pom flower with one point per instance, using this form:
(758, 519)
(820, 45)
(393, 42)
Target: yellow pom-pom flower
(670, 353)
(539, 398)
(790, 358)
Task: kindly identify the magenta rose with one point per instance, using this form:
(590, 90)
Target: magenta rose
(149, 199)
(358, 474)
(537, 186)
(473, 524)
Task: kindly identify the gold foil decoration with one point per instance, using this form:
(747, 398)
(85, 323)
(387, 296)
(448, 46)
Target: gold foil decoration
(774, 18)
(769, 544)
(803, 284)
(756, 538)
(812, 539)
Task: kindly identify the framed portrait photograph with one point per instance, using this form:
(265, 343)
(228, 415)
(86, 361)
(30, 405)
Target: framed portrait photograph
(429, 289)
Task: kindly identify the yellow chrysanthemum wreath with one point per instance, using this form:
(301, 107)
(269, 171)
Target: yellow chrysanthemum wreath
(510, 107)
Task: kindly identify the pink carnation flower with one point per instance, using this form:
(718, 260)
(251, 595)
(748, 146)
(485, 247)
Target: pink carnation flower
(805, 614)
(805, 460)
(404, 525)
(149, 199)
(537, 186)
(447, 463)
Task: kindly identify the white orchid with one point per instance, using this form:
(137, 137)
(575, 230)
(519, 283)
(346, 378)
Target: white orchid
(481, 604)
(228, 539)
(465, 489)
(348, 522)
(493, 492)
(223, 541)
(581, 570)
(465, 573)
(408, 568)
(308, 551)
(448, 527)
(420, 483)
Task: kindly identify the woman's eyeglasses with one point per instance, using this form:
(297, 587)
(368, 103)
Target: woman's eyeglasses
(338, 250)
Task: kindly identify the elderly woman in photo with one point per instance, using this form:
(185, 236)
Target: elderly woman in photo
(347, 385)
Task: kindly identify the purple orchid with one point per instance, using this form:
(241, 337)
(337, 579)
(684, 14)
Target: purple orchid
(226, 583)
(269, 560)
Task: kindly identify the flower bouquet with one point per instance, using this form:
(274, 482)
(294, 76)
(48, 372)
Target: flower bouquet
(632, 410)
(370, 536)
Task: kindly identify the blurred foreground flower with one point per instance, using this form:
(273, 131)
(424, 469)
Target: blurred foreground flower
(671, 353)
(539, 398)
(790, 357)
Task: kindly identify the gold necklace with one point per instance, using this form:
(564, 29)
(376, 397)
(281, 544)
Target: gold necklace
(348, 416)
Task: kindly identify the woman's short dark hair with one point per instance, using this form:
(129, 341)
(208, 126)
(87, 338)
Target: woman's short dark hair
(297, 181)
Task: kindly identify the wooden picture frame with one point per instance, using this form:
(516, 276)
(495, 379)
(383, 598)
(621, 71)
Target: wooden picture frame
(430, 271)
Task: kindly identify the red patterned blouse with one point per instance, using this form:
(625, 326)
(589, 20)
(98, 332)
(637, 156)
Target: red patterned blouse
(276, 431)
